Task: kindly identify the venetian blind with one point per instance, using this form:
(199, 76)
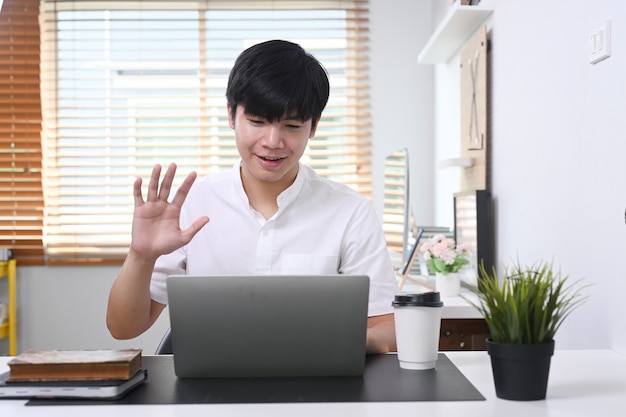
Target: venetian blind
(127, 84)
(21, 199)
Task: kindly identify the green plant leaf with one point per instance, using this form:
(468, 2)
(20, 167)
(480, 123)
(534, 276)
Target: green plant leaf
(528, 304)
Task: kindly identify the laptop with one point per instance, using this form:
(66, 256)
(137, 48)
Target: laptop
(268, 325)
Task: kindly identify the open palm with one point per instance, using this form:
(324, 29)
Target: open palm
(156, 221)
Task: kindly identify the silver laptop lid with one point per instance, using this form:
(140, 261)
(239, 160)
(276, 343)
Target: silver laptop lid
(268, 326)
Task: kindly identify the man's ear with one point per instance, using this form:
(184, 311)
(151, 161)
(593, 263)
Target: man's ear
(231, 116)
(314, 127)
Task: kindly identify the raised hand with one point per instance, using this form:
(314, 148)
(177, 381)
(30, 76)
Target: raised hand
(156, 228)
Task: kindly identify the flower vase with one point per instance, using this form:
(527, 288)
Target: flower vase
(448, 285)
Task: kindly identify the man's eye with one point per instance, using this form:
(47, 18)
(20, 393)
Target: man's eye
(292, 126)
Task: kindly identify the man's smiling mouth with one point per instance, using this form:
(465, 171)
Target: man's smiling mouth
(266, 158)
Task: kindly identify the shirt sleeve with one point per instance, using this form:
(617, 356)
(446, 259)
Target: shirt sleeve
(365, 252)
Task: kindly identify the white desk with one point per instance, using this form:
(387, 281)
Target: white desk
(459, 308)
(582, 383)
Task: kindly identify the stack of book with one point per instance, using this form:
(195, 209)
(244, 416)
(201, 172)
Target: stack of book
(105, 374)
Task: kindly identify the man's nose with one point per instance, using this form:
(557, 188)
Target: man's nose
(274, 137)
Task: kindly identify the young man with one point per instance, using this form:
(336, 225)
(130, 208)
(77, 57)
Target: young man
(270, 214)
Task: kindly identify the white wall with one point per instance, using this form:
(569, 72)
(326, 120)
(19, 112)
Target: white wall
(558, 177)
(558, 147)
(402, 98)
(64, 308)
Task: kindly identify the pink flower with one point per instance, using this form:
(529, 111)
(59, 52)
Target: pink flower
(449, 256)
(442, 255)
(438, 239)
(465, 247)
(439, 249)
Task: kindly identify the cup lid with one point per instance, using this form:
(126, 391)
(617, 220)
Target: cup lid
(426, 299)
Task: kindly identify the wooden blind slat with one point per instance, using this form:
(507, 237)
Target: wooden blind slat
(21, 208)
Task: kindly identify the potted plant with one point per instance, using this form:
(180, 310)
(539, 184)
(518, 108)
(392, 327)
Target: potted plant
(523, 311)
(445, 259)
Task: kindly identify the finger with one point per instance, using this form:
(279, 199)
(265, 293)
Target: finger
(166, 184)
(183, 190)
(153, 186)
(194, 228)
(137, 192)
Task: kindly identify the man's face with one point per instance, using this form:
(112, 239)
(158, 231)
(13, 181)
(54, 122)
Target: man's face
(270, 151)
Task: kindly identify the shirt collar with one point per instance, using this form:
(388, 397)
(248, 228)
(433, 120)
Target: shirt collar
(291, 193)
(286, 197)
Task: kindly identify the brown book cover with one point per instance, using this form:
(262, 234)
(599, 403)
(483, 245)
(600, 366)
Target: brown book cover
(75, 365)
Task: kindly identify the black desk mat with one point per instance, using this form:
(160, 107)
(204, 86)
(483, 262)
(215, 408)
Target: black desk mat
(382, 381)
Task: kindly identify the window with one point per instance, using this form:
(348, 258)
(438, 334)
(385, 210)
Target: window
(127, 84)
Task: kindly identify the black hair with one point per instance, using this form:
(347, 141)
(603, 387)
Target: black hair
(277, 78)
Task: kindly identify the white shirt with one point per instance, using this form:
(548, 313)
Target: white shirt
(321, 227)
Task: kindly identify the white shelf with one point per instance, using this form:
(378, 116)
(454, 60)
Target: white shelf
(456, 162)
(454, 30)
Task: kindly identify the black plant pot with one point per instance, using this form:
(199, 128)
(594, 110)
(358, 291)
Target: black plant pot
(520, 372)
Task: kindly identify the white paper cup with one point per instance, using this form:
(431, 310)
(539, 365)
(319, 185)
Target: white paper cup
(418, 323)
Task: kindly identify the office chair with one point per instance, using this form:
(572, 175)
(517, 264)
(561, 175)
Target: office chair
(165, 346)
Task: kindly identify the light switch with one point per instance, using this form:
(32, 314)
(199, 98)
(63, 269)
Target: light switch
(600, 43)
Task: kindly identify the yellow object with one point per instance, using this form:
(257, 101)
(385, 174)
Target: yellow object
(9, 327)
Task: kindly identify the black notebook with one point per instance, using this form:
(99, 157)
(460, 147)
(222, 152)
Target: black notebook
(102, 389)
